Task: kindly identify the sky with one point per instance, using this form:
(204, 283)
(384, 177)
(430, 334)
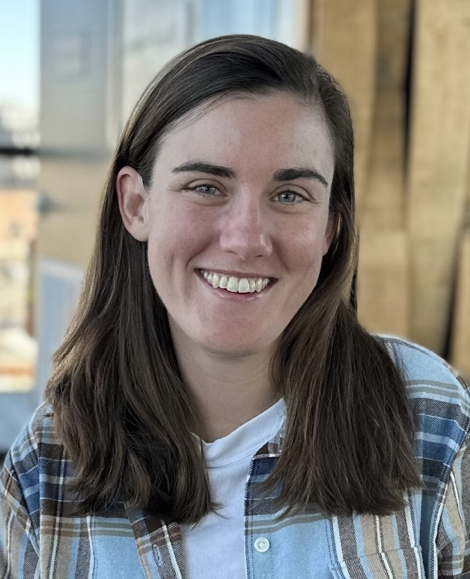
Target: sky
(19, 52)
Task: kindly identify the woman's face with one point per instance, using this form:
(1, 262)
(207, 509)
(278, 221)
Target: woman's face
(237, 219)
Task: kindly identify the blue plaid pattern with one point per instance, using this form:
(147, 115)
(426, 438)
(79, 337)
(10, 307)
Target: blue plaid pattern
(429, 539)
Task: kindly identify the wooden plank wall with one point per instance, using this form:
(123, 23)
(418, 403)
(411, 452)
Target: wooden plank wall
(413, 178)
(439, 155)
(461, 328)
(345, 40)
(460, 339)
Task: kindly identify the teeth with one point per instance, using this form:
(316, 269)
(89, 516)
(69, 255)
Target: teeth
(243, 286)
(223, 282)
(235, 285)
(232, 285)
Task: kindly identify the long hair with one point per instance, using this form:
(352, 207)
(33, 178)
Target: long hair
(120, 404)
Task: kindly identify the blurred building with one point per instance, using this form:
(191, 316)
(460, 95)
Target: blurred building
(18, 130)
(18, 226)
(19, 169)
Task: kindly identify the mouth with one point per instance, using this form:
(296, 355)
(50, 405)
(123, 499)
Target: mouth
(234, 284)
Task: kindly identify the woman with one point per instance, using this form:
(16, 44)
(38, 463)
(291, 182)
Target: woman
(216, 410)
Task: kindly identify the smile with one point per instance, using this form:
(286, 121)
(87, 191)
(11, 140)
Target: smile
(244, 285)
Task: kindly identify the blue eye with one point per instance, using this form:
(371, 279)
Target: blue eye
(208, 190)
(290, 197)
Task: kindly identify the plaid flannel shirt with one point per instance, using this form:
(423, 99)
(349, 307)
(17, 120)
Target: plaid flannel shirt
(429, 539)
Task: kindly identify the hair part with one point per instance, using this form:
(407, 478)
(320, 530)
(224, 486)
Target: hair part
(120, 404)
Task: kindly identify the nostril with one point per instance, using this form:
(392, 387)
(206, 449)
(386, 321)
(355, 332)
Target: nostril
(247, 244)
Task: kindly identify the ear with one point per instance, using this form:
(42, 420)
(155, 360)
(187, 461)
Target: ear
(132, 197)
(332, 229)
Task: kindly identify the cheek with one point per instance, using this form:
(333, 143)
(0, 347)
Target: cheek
(304, 249)
(175, 237)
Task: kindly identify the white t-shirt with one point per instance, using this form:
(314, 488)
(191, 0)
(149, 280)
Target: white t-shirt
(215, 547)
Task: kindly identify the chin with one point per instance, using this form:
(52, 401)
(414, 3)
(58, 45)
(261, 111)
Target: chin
(229, 340)
(233, 349)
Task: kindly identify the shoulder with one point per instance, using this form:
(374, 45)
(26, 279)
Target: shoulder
(427, 375)
(36, 448)
(440, 397)
(36, 439)
(419, 363)
(20, 478)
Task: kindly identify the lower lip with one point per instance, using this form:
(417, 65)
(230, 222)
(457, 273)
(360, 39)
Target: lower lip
(225, 294)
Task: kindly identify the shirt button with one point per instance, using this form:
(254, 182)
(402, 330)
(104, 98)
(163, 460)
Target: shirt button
(262, 544)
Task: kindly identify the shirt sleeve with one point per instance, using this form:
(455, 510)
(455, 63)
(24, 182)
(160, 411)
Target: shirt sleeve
(18, 544)
(453, 540)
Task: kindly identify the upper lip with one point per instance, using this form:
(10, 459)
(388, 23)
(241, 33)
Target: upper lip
(236, 273)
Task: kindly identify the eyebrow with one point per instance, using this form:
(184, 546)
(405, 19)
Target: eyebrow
(221, 171)
(201, 167)
(299, 173)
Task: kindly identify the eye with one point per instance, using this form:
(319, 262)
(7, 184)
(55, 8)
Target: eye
(289, 198)
(204, 190)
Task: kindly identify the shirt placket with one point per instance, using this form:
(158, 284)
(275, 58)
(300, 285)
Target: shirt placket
(259, 554)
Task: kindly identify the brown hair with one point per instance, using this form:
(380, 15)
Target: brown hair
(120, 404)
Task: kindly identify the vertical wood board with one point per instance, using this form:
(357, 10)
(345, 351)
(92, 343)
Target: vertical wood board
(345, 44)
(432, 267)
(440, 127)
(383, 206)
(461, 335)
(383, 282)
(393, 42)
(438, 160)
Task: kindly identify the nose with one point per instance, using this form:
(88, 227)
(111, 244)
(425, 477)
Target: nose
(245, 230)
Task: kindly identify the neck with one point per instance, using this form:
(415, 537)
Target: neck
(227, 390)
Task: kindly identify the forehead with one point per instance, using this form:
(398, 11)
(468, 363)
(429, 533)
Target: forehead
(277, 128)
